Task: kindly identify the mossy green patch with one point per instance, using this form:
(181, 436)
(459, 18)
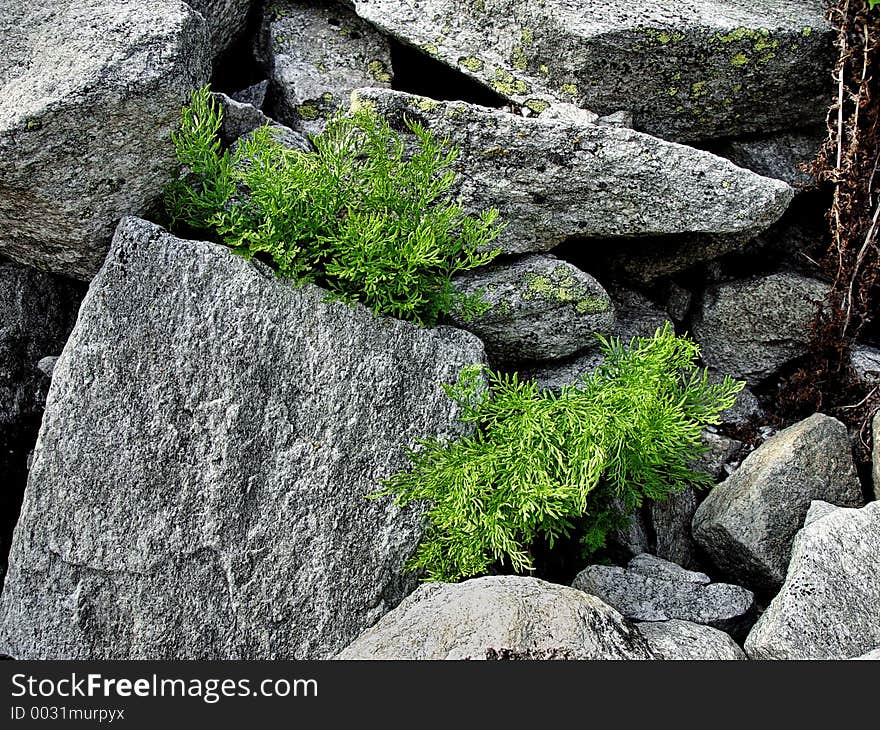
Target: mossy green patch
(308, 112)
(569, 89)
(471, 63)
(740, 59)
(506, 83)
(537, 105)
(379, 71)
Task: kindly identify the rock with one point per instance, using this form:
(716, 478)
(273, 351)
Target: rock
(541, 308)
(240, 119)
(751, 328)
(827, 607)
(627, 542)
(38, 311)
(870, 656)
(686, 70)
(255, 95)
(198, 485)
(678, 301)
(89, 94)
(46, 365)
(569, 114)
(226, 19)
(684, 640)
(652, 589)
(746, 410)
(507, 615)
(553, 180)
(622, 118)
(316, 54)
(636, 317)
(875, 444)
(747, 523)
(865, 362)
(778, 155)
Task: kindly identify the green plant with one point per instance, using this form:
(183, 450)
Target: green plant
(367, 214)
(541, 465)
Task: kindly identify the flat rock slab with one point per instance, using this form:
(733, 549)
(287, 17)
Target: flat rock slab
(552, 180)
(686, 69)
(317, 53)
(750, 328)
(747, 523)
(506, 617)
(828, 606)
(198, 488)
(89, 95)
(540, 308)
(687, 641)
(652, 589)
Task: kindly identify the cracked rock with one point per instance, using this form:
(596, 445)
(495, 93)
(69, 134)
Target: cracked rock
(198, 486)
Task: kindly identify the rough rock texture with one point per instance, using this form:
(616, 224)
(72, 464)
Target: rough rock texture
(750, 328)
(684, 640)
(240, 119)
(553, 180)
(541, 308)
(870, 656)
(636, 316)
(198, 485)
(484, 617)
(865, 363)
(778, 155)
(670, 520)
(875, 449)
(747, 523)
(89, 94)
(255, 95)
(226, 19)
(687, 70)
(652, 589)
(827, 607)
(316, 53)
(747, 408)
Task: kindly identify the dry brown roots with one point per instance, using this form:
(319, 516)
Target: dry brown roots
(849, 163)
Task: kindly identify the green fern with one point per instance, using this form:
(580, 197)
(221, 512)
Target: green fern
(365, 215)
(545, 465)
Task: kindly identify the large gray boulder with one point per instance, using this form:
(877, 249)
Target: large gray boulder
(746, 524)
(226, 19)
(750, 328)
(540, 308)
(500, 616)
(89, 94)
(827, 607)
(317, 53)
(553, 179)
(686, 69)
(687, 641)
(198, 486)
(652, 589)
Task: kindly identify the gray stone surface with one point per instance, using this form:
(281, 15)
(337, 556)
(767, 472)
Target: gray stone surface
(508, 615)
(89, 95)
(746, 524)
(316, 53)
(865, 363)
(541, 308)
(870, 656)
(198, 485)
(553, 180)
(636, 316)
(37, 312)
(670, 521)
(226, 19)
(875, 454)
(752, 327)
(652, 589)
(687, 641)
(240, 119)
(255, 95)
(827, 607)
(687, 69)
(779, 155)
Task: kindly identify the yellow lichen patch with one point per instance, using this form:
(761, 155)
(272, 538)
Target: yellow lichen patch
(519, 58)
(537, 105)
(569, 89)
(471, 63)
(740, 59)
(427, 105)
(506, 83)
(527, 36)
(308, 112)
(698, 89)
(431, 49)
(378, 71)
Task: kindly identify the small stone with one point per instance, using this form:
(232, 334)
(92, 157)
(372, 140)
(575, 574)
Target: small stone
(779, 155)
(540, 308)
(255, 95)
(865, 362)
(684, 640)
(668, 592)
(747, 523)
(569, 113)
(500, 617)
(751, 328)
(827, 607)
